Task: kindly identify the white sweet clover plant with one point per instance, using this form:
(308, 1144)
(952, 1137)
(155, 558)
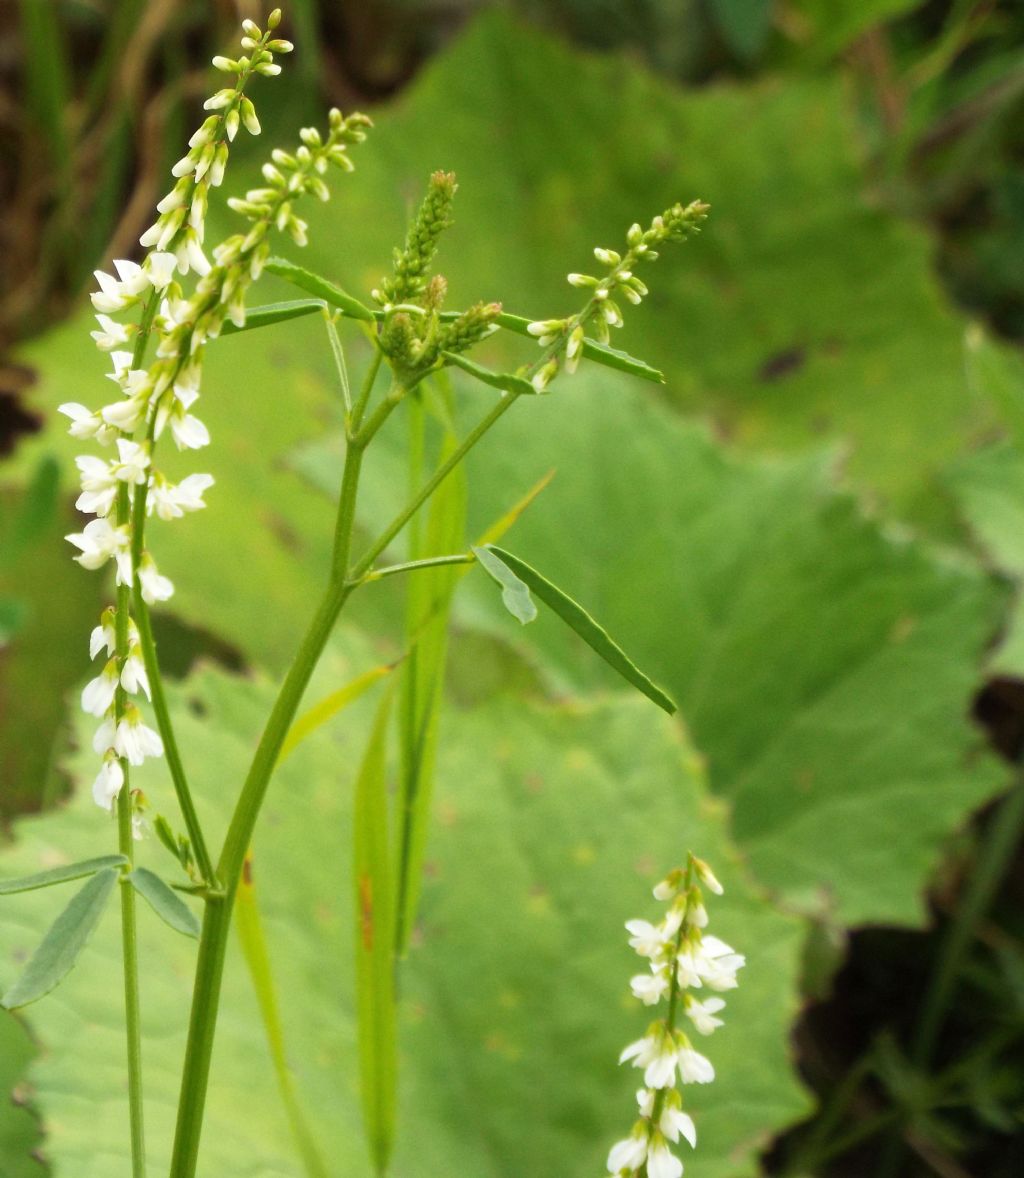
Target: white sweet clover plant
(156, 318)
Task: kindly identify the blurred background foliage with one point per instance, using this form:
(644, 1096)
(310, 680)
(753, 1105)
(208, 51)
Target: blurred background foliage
(817, 541)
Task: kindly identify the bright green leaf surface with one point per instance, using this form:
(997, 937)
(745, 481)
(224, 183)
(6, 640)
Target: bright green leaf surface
(552, 823)
(59, 949)
(825, 667)
(19, 1129)
(989, 488)
(167, 904)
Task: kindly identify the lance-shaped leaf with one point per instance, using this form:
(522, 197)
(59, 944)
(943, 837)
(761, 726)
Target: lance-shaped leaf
(515, 593)
(374, 944)
(59, 875)
(58, 951)
(592, 350)
(331, 705)
(321, 287)
(168, 905)
(270, 313)
(577, 619)
(506, 381)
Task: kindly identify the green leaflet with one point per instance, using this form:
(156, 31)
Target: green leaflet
(374, 944)
(270, 313)
(577, 618)
(57, 875)
(321, 287)
(329, 706)
(507, 381)
(58, 951)
(515, 594)
(167, 904)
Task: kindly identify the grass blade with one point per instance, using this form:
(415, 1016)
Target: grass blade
(593, 634)
(168, 905)
(249, 927)
(59, 875)
(374, 949)
(58, 951)
(330, 705)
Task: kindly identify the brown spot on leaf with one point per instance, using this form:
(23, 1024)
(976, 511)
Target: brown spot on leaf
(781, 364)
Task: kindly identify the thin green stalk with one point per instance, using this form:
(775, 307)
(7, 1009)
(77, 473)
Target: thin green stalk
(171, 751)
(366, 389)
(126, 845)
(411, 566)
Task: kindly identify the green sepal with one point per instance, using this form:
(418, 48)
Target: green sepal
(59, 875)
(506, 381)
(321, 287)
(577, 619)
(58, 951)
(171, 909)
(515, 593)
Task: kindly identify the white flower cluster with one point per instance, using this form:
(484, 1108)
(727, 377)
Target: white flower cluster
(681, 958)
(122, 491)
(565, 337)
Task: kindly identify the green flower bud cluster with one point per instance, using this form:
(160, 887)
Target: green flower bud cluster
(563, 338)
(181, 225)
(412, 262)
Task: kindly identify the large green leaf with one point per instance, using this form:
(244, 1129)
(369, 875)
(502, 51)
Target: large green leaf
(825, 667)
(552, 823)
(19, 1128)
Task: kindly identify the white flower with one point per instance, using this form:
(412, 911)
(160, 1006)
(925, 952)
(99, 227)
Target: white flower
(155, 586)
(134, 741)
(133, 675)
(160, 267)
(171, 502)
(656, 1054)
(717, 963)
(111, 297)
(134, 462)
(125, 415)
(662, 1162)
(188, 431)
(103, 636)
(138, 827)
(628, 1154)
(108, 783)
(111, 334)
(86, 424)
(673, 1122)
(707, 876)
(650, 988)
(98, 694)
(99, 485)
(99, 541)
(694, 1068)
(134, 279)
(703, 1014)
(103, 737)
(646, 939)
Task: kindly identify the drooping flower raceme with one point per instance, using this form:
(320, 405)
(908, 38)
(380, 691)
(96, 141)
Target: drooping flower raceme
(681, 958)
(121, 491)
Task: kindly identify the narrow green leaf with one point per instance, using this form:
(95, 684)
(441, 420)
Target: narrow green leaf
(331, 705)
(170, 907)
(374, 929)
(321, 287)
(268, 314)
(592, 350)
(515, 593)
(338, 352)
(428, 606)
(249, 927)
(507, 381)
(577, 618)
(64, 940)
(58, 875)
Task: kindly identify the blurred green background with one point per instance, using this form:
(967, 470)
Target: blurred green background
(813, 534)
